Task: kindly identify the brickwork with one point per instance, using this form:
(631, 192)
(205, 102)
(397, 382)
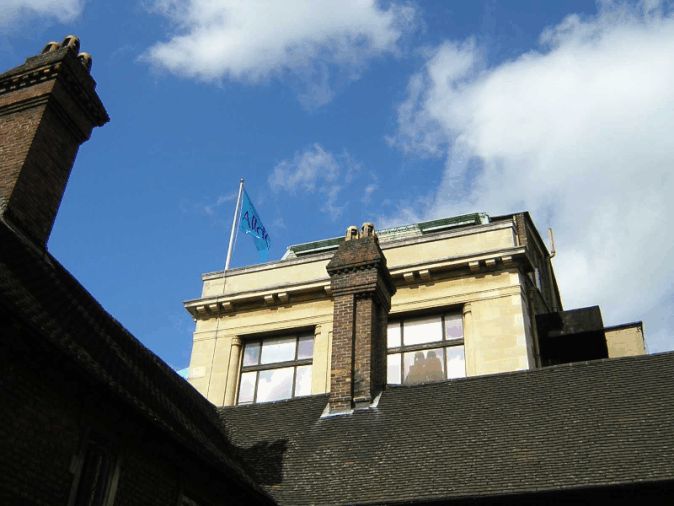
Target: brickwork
(365, 373)
(48, 107)
(146, 479)
(341, 380)
(362, 290)
(39, 433)
(521, 229)
(51, 409)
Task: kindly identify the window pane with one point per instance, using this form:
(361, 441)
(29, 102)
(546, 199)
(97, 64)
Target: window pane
(306, 347)
(278, 350)
(303, 380)
(393, 335)
(456, 363)
(247, 387)
(422, 330)
(423, 366)
(393, 369)
(251, 353)
(453, 326)
(275, 384)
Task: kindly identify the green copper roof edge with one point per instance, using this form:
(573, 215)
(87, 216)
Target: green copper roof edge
(464, 219)
(424, 226)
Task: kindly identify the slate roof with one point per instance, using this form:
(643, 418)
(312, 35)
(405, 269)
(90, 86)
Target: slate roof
(572, 426)
(41, 294)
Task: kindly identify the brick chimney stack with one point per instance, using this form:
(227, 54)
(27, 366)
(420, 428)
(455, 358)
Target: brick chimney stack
(362, 288)
(48, 107)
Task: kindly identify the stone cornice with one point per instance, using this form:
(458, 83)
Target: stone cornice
(319, 289)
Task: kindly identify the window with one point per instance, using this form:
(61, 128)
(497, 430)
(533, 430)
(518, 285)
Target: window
(94, 485)
(423, 350)
(276, 368)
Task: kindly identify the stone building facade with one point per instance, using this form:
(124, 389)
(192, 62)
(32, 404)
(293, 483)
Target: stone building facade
(491, 276)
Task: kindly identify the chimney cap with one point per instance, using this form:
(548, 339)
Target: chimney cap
(351, 233)
(367, 230)
(85, 59)
(51, 46)
(72, 42)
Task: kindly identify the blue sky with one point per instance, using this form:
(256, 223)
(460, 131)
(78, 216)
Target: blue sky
(342, 112)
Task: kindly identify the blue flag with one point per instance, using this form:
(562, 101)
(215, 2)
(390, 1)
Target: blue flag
(251, 224)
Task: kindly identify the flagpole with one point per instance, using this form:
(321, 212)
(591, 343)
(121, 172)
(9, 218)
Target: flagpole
(236, 215)
(224, 281)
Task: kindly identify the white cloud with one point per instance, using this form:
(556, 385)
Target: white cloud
(211, 208)
(307, 169)
(578, 132)
(313, 170)
(61, 10)
(316, 171)
(368, 191)
(252, 41)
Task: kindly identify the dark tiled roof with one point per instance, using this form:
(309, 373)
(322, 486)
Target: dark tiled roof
(592, 424)
(37, 291)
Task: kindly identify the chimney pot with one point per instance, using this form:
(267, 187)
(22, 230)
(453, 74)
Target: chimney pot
(367, 230)
(85, 58)
(72, 42)
(51, 46)
(351, 233)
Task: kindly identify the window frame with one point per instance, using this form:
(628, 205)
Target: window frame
(444, 343)
(294, 363)
(101, 442)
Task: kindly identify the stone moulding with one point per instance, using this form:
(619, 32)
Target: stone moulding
(208, 307)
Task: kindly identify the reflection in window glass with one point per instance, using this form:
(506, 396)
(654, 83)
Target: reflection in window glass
(247, 387)
(275, 384)
(393, 368)
(280, 349)
(456, 363)
(423, 366)
(453, 326)
(305, 347)
(393, 335)
(251, 353)
(422, 330)
(303, 381)
(276, 368)
(431, 349)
